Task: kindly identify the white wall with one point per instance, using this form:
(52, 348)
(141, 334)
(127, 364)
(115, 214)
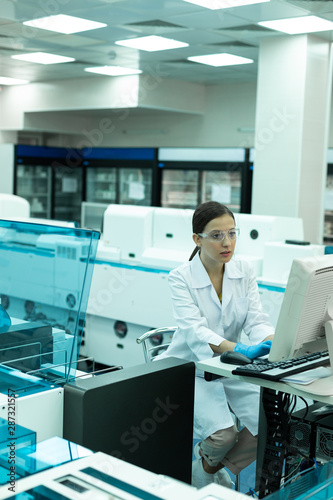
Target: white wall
(7, 168)
(169, 113)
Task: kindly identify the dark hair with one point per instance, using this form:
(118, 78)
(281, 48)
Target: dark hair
(203, 214)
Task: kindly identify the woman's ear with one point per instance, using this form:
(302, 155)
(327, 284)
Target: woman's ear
(196, 240)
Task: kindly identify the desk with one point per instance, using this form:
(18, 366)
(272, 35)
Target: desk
(269, 470)
(214, 366)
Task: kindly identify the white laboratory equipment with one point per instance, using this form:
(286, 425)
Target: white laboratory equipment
(45, 274)
(129, 291)
(104, 477)
(13, 206)
(140, 245)
(256, 230)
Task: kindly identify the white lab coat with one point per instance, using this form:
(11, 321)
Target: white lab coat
(203, 320)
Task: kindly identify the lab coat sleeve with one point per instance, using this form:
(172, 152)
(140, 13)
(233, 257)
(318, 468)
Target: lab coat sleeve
(257, 325)
(189, 319)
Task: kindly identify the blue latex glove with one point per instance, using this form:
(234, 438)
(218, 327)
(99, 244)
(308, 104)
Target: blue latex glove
(253, 351)
(5, 320)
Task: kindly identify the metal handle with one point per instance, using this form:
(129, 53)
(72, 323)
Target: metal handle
(156, 331)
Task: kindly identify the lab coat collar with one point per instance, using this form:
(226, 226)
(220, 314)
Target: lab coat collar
(200, 276)
(200, 279)
(232, 271)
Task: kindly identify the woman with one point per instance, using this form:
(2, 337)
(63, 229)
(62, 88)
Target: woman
(214, 299)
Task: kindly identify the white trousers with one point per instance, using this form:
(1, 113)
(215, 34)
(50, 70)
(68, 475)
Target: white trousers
(212, 403)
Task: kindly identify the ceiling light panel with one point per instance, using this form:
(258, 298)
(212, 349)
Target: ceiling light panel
(43, 58)
(224, 4)
(113, 70)
(152, 43)
(62, 23)
(12, 81)
(298, 25)
(220, 60)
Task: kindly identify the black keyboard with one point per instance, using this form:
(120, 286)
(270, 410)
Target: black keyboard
(280, 369)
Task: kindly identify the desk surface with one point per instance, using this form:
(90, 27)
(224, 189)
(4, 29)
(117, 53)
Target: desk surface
(214, 365)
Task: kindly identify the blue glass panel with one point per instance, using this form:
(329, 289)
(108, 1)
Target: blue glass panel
(16, 445)
(119, 153)
(5, 321)
(36, 457)
(12, 432)
(46, 152)
(24, 384)
(45, 277)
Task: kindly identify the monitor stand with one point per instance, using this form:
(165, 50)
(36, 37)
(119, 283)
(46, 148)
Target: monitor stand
(321, 386)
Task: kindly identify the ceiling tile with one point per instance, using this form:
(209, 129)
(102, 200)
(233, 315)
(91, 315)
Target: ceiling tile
(268, 11)
(69, 41)
(232, 30)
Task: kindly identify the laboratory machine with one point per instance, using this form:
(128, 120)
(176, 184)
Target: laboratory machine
(46, 271)
(138, 248)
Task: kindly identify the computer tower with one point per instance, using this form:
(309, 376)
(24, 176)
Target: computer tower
(303, 428)
(142, 414)
(324, 439)
(310, 436)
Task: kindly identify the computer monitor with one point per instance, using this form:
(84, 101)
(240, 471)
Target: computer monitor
(305, 322)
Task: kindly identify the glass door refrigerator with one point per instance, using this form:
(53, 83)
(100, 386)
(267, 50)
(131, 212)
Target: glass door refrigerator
(120, 175)
(68, 193)
(190, 176)
(51, 179)
(328, 204)
(33, 180)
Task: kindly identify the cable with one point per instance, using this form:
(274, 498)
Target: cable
(297, 475)
(292, 472)
(292, 451)
(306, 406)
(275, 405)
(294, 399)
(317, 469)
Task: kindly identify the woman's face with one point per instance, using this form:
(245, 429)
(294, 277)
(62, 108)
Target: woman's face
(212, 251)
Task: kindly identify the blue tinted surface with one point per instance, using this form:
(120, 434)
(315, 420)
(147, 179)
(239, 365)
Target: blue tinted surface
(24, 438)
(5, 320)
(45, 277)
(15, 441)
(314, 484)
(41, 456)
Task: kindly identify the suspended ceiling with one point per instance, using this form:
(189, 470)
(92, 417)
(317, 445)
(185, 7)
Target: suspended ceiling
(233, 30)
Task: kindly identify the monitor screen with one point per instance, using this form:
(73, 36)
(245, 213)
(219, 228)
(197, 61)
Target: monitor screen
(305, 322)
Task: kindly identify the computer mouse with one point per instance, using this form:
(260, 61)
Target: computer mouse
(235, 358)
